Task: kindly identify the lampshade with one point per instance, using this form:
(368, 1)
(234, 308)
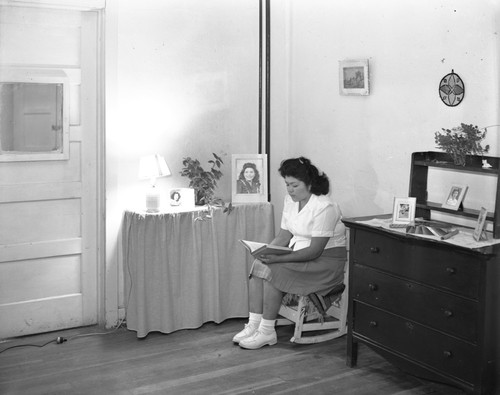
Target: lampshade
(152, 167)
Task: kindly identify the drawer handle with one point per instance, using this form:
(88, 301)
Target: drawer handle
(447, 354)
(448, 313)
(451, 270)
(373, 324)
(373, 287)
(374, 250)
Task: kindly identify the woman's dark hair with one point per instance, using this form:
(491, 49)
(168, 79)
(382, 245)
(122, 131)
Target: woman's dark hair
(302, 169)
(247, 165)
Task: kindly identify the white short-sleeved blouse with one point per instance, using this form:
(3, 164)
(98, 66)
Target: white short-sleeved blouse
(320, 217)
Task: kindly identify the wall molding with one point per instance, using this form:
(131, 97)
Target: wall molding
(79, 5)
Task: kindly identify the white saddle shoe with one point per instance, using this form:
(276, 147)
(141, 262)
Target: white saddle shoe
(247, 332)
(258, 340)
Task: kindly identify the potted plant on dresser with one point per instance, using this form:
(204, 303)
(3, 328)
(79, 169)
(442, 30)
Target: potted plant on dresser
(461, 141)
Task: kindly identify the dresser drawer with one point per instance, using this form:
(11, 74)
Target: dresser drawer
(428, 306)
(450, 270)
(416, 342)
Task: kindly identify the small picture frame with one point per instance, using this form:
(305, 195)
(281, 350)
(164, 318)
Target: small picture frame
(479, 233)
(354, 77)
(404, 211)
(249, 178)
(455, 196)
(181, 197)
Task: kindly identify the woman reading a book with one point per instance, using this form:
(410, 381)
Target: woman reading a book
(311, 225)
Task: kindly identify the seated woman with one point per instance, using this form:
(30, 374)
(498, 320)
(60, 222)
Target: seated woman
(311, 225)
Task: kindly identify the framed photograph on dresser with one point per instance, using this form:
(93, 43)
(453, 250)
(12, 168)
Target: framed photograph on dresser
(479, 230)
(403, 212)
(249, 178)
(455, 197)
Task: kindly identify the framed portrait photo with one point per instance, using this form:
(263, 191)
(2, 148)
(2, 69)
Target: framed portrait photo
(455, 196)
(354, 77)
(181, 197)
(403, 212)
(479, 233)
(249, 178)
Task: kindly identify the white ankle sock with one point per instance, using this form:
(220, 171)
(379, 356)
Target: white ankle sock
(254, 319)
(267, 326)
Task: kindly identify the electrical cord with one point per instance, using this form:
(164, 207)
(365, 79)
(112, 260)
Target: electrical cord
(60, 339)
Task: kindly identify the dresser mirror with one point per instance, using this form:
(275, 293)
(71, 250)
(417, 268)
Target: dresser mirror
(33, 116)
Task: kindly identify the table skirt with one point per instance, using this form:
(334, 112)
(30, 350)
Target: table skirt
(181, 272)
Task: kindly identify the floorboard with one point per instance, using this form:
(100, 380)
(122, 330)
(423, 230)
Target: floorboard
(199, 361)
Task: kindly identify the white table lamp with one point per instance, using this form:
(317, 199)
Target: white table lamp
(151, 167)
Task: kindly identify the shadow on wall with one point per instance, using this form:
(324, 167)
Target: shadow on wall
(214, 132)
(360, 194)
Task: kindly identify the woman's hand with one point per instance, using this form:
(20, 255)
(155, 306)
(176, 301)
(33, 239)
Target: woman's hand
(310, 253)
(270, 258)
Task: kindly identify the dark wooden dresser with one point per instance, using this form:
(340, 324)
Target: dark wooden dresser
(427, 306)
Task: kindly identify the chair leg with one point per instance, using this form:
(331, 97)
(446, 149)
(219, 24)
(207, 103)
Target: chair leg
(299, 324)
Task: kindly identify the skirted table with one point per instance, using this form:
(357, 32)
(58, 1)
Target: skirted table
(181, 272)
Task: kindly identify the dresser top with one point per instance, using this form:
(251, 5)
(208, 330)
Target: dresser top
(462, 241)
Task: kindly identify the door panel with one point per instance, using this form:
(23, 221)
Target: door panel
(33, 250)
(41, 315)
(24, 173)
(40, 221)
(40, 279)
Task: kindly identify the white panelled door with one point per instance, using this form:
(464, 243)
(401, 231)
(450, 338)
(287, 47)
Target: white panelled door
(49, 208)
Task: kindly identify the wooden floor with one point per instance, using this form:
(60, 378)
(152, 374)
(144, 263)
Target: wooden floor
(200, 361)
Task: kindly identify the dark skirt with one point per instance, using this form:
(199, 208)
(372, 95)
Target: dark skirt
(319, 276)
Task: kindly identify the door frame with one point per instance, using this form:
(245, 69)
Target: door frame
(101, 170)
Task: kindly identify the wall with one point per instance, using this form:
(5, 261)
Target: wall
(364, 143)
(181, 80)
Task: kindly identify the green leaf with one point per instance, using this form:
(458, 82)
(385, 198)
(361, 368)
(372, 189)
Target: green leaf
(218, 158)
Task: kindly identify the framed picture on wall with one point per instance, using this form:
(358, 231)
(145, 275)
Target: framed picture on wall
(354, 77)
(249, 178)
(454, 197)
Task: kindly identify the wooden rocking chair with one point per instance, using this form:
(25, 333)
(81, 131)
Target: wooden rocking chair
(316, 313)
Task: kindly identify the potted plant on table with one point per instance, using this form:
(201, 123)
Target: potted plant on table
(461, 141)
(204, 182)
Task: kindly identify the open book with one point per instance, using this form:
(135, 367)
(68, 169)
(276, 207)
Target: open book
(443, 232)
(257, 249)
